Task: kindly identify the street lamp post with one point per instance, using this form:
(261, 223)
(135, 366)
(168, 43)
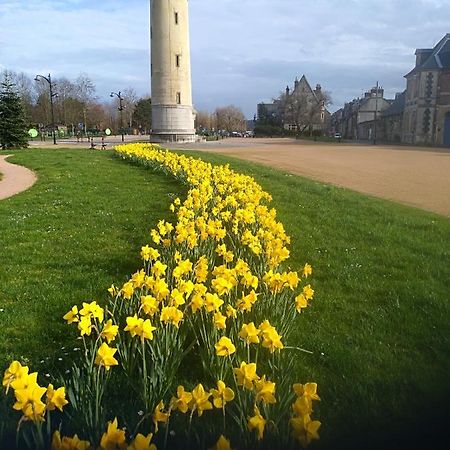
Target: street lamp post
(120, 108)
(52, 94)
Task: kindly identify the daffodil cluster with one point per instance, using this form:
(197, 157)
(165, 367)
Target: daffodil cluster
(213, 288)
(29, 395)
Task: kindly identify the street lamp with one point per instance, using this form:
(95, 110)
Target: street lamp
(52, 94)
(120, 108)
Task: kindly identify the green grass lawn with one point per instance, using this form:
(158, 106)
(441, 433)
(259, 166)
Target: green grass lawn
(379, 324)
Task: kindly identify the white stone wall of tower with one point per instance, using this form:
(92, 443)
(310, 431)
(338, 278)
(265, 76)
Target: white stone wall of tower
(172, 112)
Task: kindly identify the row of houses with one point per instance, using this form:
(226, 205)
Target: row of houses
(418, 115)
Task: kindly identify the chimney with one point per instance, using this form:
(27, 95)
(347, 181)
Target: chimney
(287, 90)
(295, 83)
(318, 88)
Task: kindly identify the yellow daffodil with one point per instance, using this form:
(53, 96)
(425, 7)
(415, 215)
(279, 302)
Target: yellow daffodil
(257, 422)
(308, 292)
(134, 325)
(68, 443)
(249, 280)
(159, 269)
(246, 375)
(307, 389)
(113, 290)
(249, 333)
(225, 347)
(15, 371)
(231, 312)
(307, 270)
(200, 400)
(304, 429)
(302, 406)
(105, 356)
(156, 238)
(222, 395)
(149, 253)
(170, 314)
(181, 401)
(201, 270)
(212, 302)
(141, 442)
(25, 381)
(222, 444)
(247, 301)
(222, 285)
(92, 310)
(85, 326)
(147, 330)
(186, 287)
(109, 331)
(177, 298)
(159, 416)
(300, 302)
(72, 315)
(127, 290)
(149, 305)
(272, 340)
(220, 321)
(265, 390)
(114, 438)
(197, 302)
(292, 279)
(182, 268)
(28, 400)
(56, 398)
(160, 289)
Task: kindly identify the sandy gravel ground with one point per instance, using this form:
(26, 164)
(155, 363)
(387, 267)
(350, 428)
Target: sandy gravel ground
(15, 178)
(417, 176)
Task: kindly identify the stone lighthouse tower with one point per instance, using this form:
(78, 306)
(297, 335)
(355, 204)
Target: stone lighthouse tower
(172, 112)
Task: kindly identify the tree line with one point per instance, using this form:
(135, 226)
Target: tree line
(78, 110)
(77, 106)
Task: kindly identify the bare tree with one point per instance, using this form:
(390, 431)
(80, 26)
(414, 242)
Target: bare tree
(303, 109)
(204, 120)
(130, 99)
(230, 118)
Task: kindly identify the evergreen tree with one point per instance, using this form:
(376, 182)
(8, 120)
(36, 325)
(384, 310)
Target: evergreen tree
(13, 126)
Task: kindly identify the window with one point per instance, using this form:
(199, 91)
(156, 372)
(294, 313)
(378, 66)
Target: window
(178, 98)
(176, 18)
(177, 60)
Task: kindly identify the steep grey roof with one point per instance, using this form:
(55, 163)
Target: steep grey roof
(397, 107)
(438, 59)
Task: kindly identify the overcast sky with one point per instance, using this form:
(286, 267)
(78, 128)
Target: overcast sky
(243, 51)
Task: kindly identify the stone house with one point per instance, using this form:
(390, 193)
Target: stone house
(426, 118)
(391, 121)
(300, 108)
(359, 119)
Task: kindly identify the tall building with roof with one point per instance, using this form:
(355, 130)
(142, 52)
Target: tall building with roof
(426, 118)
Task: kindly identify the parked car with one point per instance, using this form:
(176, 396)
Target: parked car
(337, 136)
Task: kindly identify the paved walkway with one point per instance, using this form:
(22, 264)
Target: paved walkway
(15, 178)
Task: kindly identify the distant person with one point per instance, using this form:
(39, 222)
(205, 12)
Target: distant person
(103, 143)
(92, 143)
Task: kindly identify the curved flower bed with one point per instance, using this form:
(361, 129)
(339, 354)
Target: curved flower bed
(193, 351)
